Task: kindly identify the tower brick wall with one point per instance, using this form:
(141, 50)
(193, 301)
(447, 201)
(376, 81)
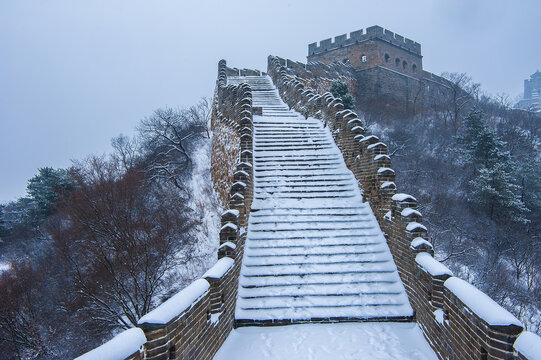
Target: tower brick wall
(376, 47)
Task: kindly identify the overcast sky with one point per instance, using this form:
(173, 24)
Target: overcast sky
(74, 74)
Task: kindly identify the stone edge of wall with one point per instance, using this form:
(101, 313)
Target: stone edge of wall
(195, 322)
(455, 324)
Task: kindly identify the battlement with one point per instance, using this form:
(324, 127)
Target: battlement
(355, 37)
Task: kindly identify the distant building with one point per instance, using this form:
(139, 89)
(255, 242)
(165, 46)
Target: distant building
(532, 93)
(388, 67)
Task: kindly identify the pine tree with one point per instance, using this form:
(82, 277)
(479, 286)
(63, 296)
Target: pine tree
(340, 90)
(494, 186)
(47, 187)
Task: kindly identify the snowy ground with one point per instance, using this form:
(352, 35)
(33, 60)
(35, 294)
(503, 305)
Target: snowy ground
(4, 266)
(207, 210)
(374, 341)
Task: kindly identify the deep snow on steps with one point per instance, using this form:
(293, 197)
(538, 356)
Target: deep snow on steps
(314, 250)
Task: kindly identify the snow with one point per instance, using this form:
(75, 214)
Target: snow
(228, 244)
(313, 249)
(177, 304)
(482, 305)
(431, 265)
(215, 318)
(207, 211)
(119, 347)
(529, 345)
(387, 184)
(376, 144)
(219, 269)
(371, 137)
(233, 212)
(381, 156)
(355, 341)
(439, 315)
(414, 226)
(418, 242)
(4, 266)
(385, 169)
(403, 197)
(230, 226)
(409, 211)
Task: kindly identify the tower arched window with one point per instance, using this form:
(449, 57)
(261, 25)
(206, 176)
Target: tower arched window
(363, 58)
(404, 64)
(397, 62)
(414, 68)
(387, 58)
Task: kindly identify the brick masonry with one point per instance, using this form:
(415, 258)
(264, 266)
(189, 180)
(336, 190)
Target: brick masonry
(388, 69)
(462, 333)
(197, 331)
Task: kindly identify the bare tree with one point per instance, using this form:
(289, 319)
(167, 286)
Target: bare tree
(121, 235)
(127, 151)
(169, 136)
(19, 313)
(458, 98)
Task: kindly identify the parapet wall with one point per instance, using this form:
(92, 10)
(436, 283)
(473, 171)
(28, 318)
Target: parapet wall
(195, 322)
(458, 320)
(355, 37)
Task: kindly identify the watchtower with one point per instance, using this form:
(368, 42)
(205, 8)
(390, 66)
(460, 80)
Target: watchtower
(367, 49)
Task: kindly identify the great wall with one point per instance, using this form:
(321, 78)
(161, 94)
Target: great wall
(293, 165)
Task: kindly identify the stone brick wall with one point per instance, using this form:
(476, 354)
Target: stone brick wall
(195, 322)
(360, 42)
(458, 320)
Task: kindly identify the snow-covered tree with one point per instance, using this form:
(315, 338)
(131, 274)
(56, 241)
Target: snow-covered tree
(494, 186)
(168, 138)
(340, 90)
(47, 187)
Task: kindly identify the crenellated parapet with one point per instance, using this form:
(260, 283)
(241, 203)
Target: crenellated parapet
(457, 319)
(355, 37)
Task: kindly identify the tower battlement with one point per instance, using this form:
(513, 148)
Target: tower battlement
(355, 37)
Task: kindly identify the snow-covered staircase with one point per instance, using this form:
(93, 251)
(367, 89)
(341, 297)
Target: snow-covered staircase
(314, 251)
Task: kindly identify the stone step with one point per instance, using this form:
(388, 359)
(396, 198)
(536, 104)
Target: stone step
(313, 249)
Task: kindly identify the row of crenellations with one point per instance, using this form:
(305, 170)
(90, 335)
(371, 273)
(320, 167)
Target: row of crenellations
(357, 36)
(454, 325)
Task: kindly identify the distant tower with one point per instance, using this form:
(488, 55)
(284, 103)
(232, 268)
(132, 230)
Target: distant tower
(376, 47)
(532, 92)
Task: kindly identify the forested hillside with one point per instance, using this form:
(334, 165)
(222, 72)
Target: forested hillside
(474, 165)
(93, 247)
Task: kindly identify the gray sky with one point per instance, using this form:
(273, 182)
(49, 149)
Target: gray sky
(74, 74)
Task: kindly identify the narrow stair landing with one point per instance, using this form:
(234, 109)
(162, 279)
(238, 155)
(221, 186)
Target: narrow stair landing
(314, 251)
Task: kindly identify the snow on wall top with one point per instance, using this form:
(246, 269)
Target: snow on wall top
(414, 226)
(219, 269)
(482, 305)
(431, 265)
(419, 241)
(409, 211)
(529, 345)
(177, 304)
(402, 197)
(119, 347)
